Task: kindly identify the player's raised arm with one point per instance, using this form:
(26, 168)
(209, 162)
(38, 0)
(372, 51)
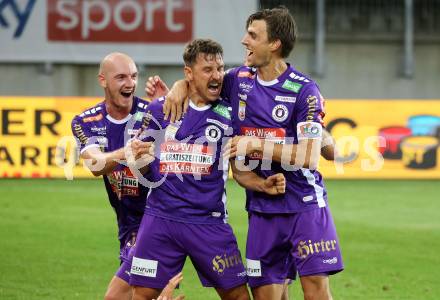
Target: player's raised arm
(272, 185)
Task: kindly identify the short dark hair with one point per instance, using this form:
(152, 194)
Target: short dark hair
(197, 46)
(280, 25)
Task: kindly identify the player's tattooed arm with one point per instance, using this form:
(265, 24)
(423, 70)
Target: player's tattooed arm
(176, 101)
(272, 185)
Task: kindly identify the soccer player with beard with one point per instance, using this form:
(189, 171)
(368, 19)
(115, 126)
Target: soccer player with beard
(277, 108)
(105, 135)
(186, 212)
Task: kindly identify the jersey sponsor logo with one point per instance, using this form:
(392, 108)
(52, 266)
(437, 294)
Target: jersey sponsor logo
(311, 104)
(306, 248)
(218, 123)
(123, 183)
(213, 133)
(92, 118)
(99, 130)
(183, 158)
(300, 78)
(253, 268)
(241, 110)
(285, 99)
(144, 267)
(222, 111)
(246, 74)
(245, 87)
(280, 113)
(331, 261)
(220, 263)
(146, 120)
(309, 130)
(275, 135)
(138, 116)
(79, 134)
(132, 131)
(292, 86)
(171, 130)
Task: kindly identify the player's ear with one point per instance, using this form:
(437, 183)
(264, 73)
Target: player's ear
(188, 73)
(275, 45)
(101, 80)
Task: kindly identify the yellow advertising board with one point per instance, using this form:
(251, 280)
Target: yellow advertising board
(31, 128)
(376, 138)
(384, 138)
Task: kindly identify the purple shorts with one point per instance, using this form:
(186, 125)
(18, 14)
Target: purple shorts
(279, 246)
(124, 255)
(163, 246)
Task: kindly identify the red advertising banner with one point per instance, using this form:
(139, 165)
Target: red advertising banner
(132, 21)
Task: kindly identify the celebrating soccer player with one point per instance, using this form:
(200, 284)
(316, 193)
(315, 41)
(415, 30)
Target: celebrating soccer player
(104, 140)
(186, 214)
(279, 113)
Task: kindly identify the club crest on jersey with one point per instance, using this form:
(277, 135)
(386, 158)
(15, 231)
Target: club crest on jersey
(241, 110)
(280, 113)
(213, 133)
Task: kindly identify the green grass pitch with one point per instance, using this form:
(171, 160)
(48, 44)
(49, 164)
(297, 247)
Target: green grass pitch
(58, 240)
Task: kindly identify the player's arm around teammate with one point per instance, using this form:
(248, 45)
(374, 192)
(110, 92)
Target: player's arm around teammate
(136, 153)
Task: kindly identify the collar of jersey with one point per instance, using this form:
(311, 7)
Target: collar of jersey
(122, 121)
(199, 108)
(267, 83)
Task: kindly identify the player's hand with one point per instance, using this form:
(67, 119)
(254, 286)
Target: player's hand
(138, 153)
(155, 87)
(275, 184)
(241, 146)
(167, 292)
(176, 102)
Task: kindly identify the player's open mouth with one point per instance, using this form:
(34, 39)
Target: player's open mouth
(214, 88)
(127, 94)
(249, 52)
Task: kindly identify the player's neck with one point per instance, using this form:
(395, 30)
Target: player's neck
(117, 113)
(198, 101)
(272, 70)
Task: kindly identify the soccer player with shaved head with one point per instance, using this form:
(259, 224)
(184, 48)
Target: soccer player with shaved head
(105, 135)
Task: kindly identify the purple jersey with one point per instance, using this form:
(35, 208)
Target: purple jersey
(283, 111)
(188, 157)
(95, 128)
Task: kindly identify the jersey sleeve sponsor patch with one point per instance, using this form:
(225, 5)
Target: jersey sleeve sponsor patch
(309, 130)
